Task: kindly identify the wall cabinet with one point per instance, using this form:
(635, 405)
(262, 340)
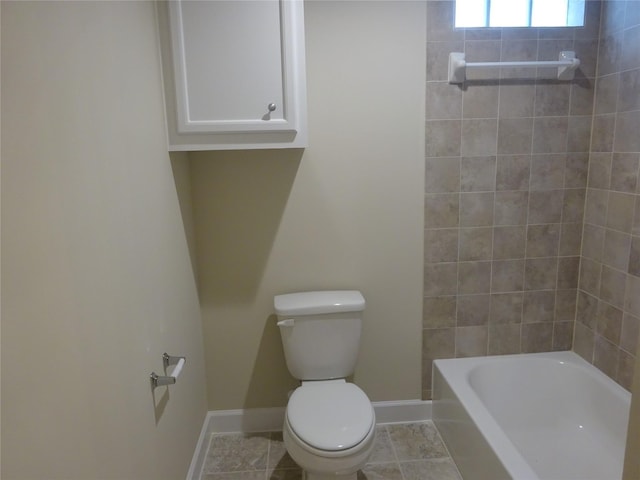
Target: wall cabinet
(233, 73)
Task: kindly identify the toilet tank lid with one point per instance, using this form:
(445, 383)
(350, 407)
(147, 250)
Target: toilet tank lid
(313, 303)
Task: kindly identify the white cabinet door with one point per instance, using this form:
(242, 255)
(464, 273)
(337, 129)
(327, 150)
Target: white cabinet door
(234, 73)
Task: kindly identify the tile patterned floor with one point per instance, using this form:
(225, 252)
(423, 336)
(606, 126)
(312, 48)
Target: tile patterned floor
(412, 451)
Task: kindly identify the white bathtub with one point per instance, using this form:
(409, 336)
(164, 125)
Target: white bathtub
(545, 416)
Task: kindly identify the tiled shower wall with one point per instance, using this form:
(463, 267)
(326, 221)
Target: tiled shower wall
(506, 176)
(606, 331)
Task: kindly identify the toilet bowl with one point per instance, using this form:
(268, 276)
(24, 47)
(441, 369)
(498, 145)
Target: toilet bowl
(329, 427)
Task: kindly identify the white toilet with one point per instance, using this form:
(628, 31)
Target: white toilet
(329, 426)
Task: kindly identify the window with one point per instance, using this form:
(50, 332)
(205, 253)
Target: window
(520, 13)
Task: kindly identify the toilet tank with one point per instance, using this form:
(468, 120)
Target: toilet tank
(320, 332)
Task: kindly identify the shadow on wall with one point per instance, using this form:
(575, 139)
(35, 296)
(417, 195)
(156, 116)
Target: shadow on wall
(182, 180)
(269, 349)
(239, 198)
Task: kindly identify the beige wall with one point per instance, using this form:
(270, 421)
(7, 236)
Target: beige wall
(96, 277)
(345, 213)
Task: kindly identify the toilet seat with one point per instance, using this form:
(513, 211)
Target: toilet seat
(330, 415)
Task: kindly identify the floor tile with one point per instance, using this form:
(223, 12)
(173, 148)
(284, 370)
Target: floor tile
(291, 474)
(416, 441)
(412, 451)
(234, 476)
(279, 459)
(382, 449)
(237, 453)
(435, 469)
(380, 471)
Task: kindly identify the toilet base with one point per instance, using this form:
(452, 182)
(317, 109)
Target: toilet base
(322, 465)
(323, 476)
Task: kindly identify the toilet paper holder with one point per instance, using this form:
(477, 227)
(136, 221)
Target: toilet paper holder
(167, 360)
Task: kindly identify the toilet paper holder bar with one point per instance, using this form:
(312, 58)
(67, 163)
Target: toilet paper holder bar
(167, 360)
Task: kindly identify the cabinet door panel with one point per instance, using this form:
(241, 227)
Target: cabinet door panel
(234, 73)
(244, 38)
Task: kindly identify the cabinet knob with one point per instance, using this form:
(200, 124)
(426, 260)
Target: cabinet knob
(272, 107)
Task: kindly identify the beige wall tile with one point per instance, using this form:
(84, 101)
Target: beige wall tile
(475, 244)
(629, 90)
(634, 257)
(617, 248)
(630, 57)
(562, 336)
(476, 209)
(625, 369)
(545, 206)
(474, 277)
(439, 312)
(471, 341)
(506, 308)
(511, 208)
(442, 138)
(612, 286)
(442, 175)
(440, 279)
(624, 171)
(620, 211)
(512, 172)
(478, 174)
(577, 166)
(587, 310)
(473, 310)
(478, 137)
(443, 101)
(573, 206)
(606, 94)
(441, 245)
(632, 295)
(547, 171)
(514, 135)
(543, 240)
(609, 322)
(537, 337)
(605, 356)
(509, 242)
(516, 101)
(441, 210)
(539, 306)
(627, 128)
(504, 339)
(629, 333)
(552, 99)
(584, 342)
(602, 133)
(565, 305)
(596, 207)
(480, 101)
(540, 273)
(590, 276)
(550, 134)
(507, 276)
(570, 238)
(568, 268)
(438, 58)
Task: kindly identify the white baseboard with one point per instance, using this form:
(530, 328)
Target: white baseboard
(271, 420)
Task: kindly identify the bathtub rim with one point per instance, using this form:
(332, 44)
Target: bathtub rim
(457, 370)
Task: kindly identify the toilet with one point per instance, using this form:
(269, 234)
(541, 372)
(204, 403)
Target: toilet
(329, 426)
